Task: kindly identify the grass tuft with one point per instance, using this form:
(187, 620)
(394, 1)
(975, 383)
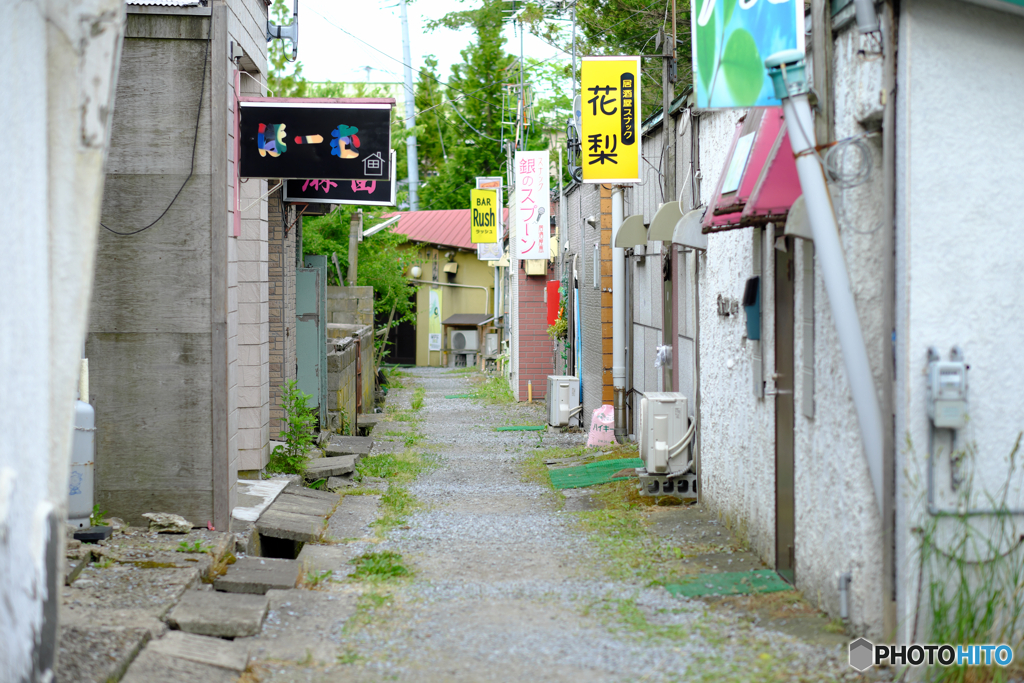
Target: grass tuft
(417, 398)
(496, 390)
(381, 566)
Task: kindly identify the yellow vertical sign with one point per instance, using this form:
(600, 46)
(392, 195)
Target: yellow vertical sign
(484, 214)
(610, 139)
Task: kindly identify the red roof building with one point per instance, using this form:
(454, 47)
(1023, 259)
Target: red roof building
(448, 228)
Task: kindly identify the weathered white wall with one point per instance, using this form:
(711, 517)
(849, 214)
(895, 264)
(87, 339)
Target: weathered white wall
(960, 179)
(57, 74)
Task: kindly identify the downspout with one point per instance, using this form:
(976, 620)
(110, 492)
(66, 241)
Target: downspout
(618, 319)
(487, 296)
(789, 78)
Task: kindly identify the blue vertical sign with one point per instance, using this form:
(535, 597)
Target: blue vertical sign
(731, 39)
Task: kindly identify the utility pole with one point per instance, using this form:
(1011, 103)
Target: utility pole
(355, 233)
(410, 115)
(668, 79)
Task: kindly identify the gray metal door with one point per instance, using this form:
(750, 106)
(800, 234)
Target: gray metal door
(785, 517)
(311, 338)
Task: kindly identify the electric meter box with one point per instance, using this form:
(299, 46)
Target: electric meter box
(663, 423)
(563, 399)
(947, 394)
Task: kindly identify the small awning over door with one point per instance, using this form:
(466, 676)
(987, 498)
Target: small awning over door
(759, 182)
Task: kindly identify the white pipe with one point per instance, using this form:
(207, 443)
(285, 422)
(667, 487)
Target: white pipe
(829, 252)
(487, 296)
(618, 316)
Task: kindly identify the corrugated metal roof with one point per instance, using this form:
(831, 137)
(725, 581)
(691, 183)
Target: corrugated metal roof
(165, 3)
(449, 228)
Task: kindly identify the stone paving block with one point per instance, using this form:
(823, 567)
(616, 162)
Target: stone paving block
(154, 667)
(186, 658)
(357, 445)
(333, 466)
(322, 558)
(258, 575)
(92, 653)
(313, 493)
(222, 615)
(291, 526)
(352, 518)
(368, 421)
(302, 505)
(303, 623)
(339, 483)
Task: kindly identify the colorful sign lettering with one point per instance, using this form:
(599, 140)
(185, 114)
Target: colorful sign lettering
(532, 206)
(483, 216)
(611, 133)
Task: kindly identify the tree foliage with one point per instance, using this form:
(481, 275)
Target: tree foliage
(383, 258)
(283, 80)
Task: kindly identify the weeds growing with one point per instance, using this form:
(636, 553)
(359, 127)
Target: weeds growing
(381, 566)
(417, 398)
(194, 547)
(298, 434)
(495, 390)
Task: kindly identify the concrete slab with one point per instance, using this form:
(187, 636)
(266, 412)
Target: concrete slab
(154, 667)
(256, 496)
(221, 615)
(368, 421)
(303, 623)
(356, 445)
(322, 558)
(302, 505)
(184, 658)
(352, 518)
(334, 483)
(93, 653)
(333, 466)
(314, 493)
(258, 575)
(149, 592)
(291, 526)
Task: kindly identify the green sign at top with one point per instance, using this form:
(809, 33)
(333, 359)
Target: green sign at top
(731, 39)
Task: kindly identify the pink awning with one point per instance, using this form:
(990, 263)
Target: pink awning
(759, 181)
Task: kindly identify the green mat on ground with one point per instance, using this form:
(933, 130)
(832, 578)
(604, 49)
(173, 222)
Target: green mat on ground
(729, 583)
(600, 472)
(522, 428)
(462, 396)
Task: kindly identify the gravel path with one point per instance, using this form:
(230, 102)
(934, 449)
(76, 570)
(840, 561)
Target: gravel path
(507, 588)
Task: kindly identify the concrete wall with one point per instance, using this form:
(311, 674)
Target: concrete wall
(958, 254)
(281, 293)
(350, 305)
(472, 271)
(176, 370)
(350, 311)
(349, 356)
(57, 75)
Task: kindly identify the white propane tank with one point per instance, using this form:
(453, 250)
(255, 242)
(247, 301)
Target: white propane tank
(83, 463)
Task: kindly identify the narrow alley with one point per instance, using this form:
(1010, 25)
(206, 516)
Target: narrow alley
(512, 581)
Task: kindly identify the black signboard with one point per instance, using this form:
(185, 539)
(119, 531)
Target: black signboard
(324, 191)
(340, 141)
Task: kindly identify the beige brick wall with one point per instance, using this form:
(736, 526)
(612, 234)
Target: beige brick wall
(281, 304)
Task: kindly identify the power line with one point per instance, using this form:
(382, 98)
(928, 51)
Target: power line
(192, 163)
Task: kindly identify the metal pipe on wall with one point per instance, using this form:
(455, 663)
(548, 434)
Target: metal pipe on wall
(487, 296)
(618, 319)
(787, 71)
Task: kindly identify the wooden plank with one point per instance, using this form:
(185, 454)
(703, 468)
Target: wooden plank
(155, 113)
(219, 385)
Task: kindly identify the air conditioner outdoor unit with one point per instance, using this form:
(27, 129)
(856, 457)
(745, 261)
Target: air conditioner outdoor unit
(464, 341)
(563, 399)
(666, 434)
(491, 344)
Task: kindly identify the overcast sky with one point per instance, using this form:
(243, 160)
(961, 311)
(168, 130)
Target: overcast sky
(328, 54)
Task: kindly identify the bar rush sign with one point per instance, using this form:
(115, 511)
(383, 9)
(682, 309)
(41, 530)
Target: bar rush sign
(339, 139)
(326, 191)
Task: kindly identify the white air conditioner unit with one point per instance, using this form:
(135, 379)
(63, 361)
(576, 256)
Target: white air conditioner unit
(491, 344)
(665, 434)
(563, 399)
(464, 341)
